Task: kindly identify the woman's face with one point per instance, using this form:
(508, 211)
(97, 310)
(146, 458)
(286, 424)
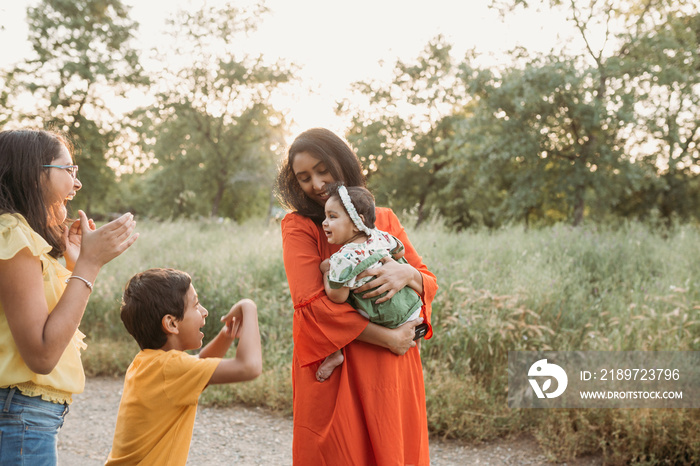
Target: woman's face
(312, 175)
(60, 187)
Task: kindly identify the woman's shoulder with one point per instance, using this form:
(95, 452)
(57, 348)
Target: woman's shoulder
(386, 219)
(296, 220)
(385, 212)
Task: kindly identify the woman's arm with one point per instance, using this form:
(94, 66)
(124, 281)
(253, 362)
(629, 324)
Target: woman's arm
(415, 274)
(321, 326)
(398, 340)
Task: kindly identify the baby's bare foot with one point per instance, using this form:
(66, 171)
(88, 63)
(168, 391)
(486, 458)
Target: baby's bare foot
(328, 366)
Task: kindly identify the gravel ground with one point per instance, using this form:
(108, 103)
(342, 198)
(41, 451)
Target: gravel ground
(246, 436)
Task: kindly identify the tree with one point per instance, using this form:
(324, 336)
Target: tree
(660, 60)
(543, 134)
(401, 138)
(82, 58)
(592, 114)
(212, 131)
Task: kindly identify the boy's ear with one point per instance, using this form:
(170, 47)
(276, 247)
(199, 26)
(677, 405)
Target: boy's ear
(169, 324)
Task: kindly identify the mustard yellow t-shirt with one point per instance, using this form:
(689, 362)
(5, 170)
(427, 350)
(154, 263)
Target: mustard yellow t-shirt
(67, 377)
(158, 407)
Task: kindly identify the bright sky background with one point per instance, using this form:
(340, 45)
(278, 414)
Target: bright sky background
(336, 43)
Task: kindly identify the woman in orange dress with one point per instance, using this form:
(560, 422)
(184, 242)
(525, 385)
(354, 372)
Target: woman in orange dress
(371, 411)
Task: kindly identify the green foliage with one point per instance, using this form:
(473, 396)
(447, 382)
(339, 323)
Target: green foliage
(608, 130)
(662, 63)
(403, 135)
(601, 128)
(213, 135)
(81, 52)
(558, 288)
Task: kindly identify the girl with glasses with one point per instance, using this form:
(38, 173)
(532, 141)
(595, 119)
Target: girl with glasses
(41, 300)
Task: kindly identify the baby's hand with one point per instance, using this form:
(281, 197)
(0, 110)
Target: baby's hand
(325, 266)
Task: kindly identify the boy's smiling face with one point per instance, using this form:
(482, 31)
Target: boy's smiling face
(192, 321)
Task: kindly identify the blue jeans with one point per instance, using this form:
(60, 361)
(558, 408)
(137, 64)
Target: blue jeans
(28, 429)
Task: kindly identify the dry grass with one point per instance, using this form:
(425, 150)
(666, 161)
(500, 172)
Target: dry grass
(558, 288)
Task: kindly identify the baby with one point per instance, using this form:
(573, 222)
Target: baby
(350, 216)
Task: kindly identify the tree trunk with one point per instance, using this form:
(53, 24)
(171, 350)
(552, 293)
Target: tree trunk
(221, 188)
(579, 204)
(422, 216)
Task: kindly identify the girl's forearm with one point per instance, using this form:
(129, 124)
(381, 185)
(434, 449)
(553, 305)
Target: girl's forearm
(41, 336)
(59, 328)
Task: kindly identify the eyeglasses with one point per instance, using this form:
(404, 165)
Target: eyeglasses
(72, 169)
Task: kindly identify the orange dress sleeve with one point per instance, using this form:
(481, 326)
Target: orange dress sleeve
(321, 326)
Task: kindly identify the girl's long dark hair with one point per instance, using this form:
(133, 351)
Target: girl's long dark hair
(336, 154)
(22, 154)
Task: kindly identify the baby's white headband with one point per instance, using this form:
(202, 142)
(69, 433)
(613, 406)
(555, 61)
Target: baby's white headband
(347, 203)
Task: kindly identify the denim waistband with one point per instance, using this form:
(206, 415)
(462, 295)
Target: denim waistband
(10, 395)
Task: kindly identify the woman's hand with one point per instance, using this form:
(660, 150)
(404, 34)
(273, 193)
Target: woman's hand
(390, 278)
(402, 337)
(398, 340)
(72, 238)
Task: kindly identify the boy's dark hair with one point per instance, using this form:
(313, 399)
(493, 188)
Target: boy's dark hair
(148, 297)
(336, 154)
(22, 154)
(361, 198)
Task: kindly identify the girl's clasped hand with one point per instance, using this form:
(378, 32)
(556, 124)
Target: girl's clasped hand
(100, 245)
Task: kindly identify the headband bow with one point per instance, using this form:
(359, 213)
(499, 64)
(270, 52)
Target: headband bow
(350, 208)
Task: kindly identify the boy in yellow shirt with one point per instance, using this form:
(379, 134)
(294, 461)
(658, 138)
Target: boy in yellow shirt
(162, 385)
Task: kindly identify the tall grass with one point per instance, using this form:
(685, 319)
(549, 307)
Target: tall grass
(559, 288)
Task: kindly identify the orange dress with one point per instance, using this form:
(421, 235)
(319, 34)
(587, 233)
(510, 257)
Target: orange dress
(371, 411)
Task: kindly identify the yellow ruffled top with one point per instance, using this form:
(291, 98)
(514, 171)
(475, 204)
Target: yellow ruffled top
(68, 377)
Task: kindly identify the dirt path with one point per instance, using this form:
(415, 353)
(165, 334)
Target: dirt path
(242, 436)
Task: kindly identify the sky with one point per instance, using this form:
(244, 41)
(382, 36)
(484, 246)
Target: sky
(337, 43)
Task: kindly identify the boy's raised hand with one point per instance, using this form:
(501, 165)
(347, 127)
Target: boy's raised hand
(240, 322)
(234, 318)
